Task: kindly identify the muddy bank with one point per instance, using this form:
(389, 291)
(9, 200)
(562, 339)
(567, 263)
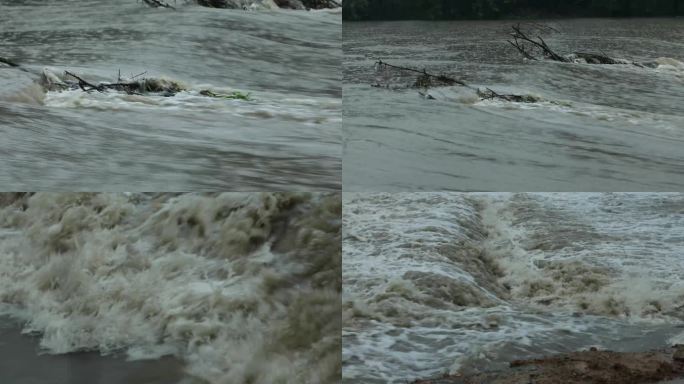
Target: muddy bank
(584, 367)
(23, 362)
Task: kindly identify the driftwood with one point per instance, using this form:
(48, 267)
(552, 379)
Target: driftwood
(167, 88)
(427, 80)
(529, 47)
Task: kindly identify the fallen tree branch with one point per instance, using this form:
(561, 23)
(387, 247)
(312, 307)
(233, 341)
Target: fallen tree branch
(424, 80)
(518, 35)
(526, 45)
(84, 85)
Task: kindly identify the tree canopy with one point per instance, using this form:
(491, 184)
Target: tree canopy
(496, 9)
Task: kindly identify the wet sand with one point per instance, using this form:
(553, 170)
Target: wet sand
(22, 363)
(664, 366)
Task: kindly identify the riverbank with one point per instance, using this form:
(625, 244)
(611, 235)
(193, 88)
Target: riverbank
(584, 367)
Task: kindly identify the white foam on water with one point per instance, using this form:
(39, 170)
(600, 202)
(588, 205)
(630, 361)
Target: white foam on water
(438, 282)
(574, 249)
(668, 64)
(243, 287)
(309, 111)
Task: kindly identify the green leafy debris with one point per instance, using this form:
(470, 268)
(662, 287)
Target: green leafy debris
(235, 95)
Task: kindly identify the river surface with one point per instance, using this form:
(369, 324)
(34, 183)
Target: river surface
(186, 288)
(595, 127)
(449, 282)
(287, 137)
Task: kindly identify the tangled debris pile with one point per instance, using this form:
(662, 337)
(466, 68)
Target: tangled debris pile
(142, 86)
(529, 47)
(162, 87)
(426, 80)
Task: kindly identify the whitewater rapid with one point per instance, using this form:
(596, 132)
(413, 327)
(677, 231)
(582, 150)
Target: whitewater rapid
(440, 282)
(240, 287)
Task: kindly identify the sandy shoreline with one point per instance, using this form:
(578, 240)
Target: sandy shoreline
(22, 363)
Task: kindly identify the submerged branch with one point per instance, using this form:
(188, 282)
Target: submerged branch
(8, 62)
(427, 80)
(424, 81)
(84, 85)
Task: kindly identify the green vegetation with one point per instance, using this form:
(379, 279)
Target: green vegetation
(235, 95)
(496, 9)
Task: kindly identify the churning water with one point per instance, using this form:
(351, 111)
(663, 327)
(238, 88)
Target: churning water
(595, 127)
(241, 288)
(438, 282)
(287, 136)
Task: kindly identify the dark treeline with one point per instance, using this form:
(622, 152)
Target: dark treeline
(496, 9)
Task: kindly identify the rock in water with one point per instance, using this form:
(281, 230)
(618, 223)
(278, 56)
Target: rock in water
(290, 4)
(678, 354)
(238, 4)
